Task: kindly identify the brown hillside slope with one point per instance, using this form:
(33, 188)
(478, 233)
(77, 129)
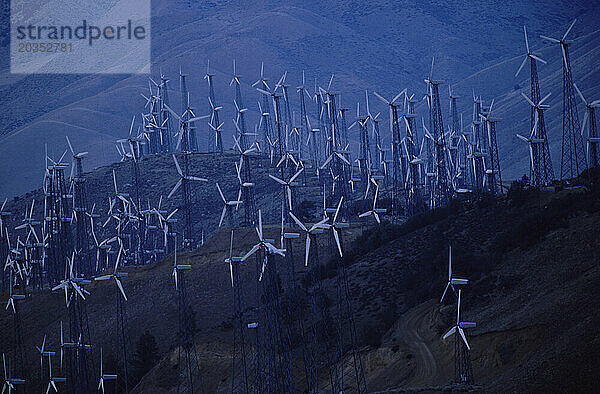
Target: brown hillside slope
(533, 264)
(532, 259)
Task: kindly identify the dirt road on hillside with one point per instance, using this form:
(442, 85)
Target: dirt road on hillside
(416, 338)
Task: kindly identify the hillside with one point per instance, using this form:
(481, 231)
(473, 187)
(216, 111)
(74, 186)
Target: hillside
(531, 258)
(158, 175)
(383, 46)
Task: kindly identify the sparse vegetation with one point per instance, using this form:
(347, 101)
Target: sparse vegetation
(145, 357)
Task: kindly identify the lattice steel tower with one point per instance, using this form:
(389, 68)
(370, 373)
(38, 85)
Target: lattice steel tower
(541, 172)
(573, 159)
(441, 194)
(246, 181)
(58, 221)
(593, 138)
(214, 124)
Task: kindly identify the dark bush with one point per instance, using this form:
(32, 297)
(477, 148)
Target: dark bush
(145, 356)
(305, 210)
(519, 192)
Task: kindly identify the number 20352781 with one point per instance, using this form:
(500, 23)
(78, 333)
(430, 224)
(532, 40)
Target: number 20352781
(48, 47)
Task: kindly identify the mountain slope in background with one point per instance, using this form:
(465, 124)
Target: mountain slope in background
(383, 46)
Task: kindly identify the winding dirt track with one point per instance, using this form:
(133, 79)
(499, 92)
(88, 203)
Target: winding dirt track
(415, 335)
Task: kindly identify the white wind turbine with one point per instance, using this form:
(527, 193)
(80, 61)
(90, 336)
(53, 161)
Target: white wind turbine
(460, 325)
(121, 149)
(263, 244)
(238, 170)
(178, 267)
(77, 157)
(315, 229)
(215, 128)
(287, 185)
(228, 204)
(116, 275)
(374, 211)
(529, 54)
(29, 222)
(236, 76)
(592, 138)
(53, 379)
(340, 155)
(3, 216)
(287, 157)
(335, 225)
(535, 141)
(12, 297)
(563, 43)
(166, 224)
(262, 80)
(184, 122)
(44, 353)
(232, 259)
(10, 382)
(71, 282)
(183, 177)
(452, 280)
(64, 345)
(391, 103)
(104, 376)
(102, 246)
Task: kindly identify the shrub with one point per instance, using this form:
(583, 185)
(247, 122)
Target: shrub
(519, 192)
(305, 210)
(145, 356)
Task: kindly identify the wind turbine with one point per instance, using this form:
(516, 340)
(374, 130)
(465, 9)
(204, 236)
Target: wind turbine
(77, 158)
(184, 122)
(29, 222)
(134, 143)
(232, 259)
(71, 282)
(532, 141)
(460, 325)
(44, 353)
(537, 140)
(315, 229)
(12, 297)
(287, 185)
(3, 216)
(263, 244)
(183, 177)
(262, 80)
(593, 139)
(529, 54)
(10, 382)
(104, 376)
(64, 345)
(116, 275)
(374, 211)
(53, 379)
(166, 223)
(451, 280)
(573, 158)
(178, 267)
(335, 225)
(332, 156)
(563, 44)
(236, 76)
(228, 204)
(396, 149)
